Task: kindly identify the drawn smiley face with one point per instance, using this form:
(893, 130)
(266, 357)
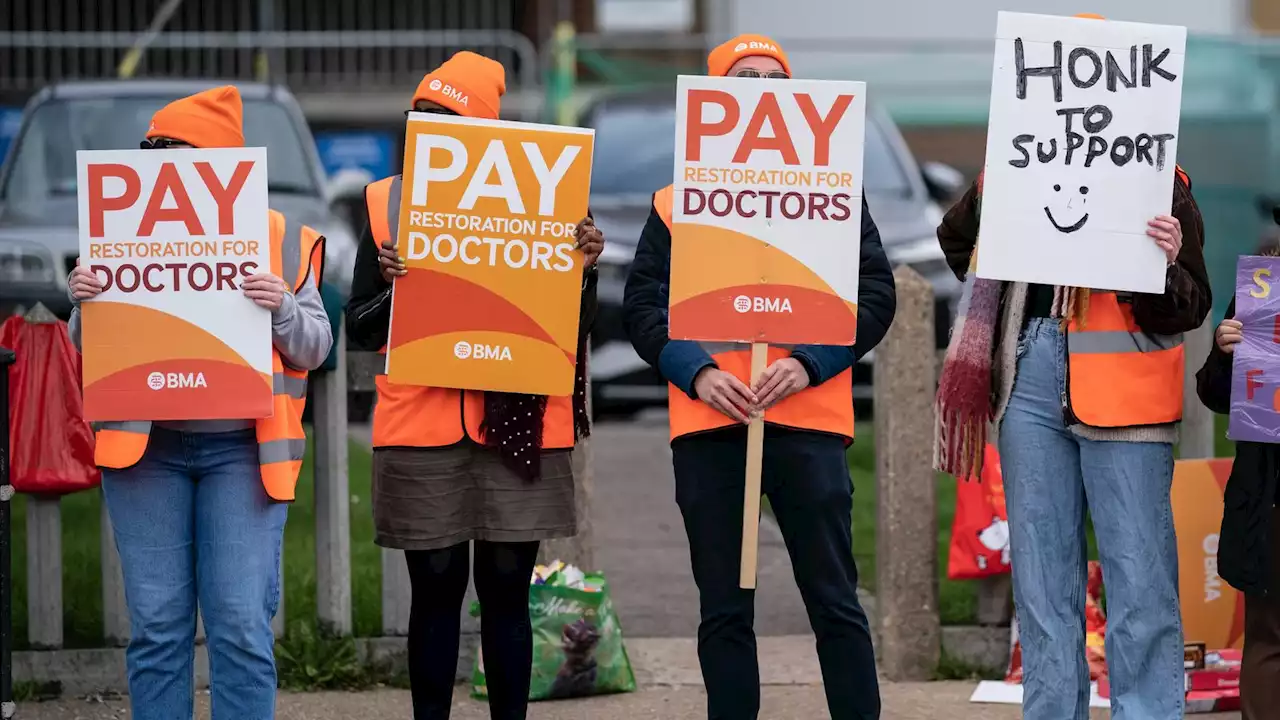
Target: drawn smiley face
(1074, 206)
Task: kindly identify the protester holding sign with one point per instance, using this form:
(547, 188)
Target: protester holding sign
(198, 507)
(454, 466)
(805, 395)
(1085, 390)
(1249, 543)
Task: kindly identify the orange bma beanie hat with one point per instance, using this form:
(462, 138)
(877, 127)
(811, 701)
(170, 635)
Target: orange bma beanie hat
(210, 119)
(724, 56)
(468, 84)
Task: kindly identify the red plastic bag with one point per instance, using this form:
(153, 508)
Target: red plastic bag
(1095, 632)
(980, 531)
(51, 446)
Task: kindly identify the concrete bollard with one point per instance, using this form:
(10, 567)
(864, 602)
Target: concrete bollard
(906, 529)
(332, 498)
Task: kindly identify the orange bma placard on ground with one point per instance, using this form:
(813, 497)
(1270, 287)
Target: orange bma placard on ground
(767, 210)
(493, 291)
(1212, 610)
(172, 235)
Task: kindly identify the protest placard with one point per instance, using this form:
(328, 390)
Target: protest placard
(766, 227)
(493, 290)
(171, 235)
(1212, 610)
(767, 214)
(1255, 367)
(1081, 150)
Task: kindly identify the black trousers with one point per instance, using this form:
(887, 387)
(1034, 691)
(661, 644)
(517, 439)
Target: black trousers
(439, 583)
(806, 478)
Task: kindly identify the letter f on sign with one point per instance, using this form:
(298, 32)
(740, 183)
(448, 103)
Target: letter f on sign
(424, 173)
(1251, 383)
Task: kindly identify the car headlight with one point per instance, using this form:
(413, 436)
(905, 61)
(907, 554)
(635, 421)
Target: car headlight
(339, 256)
(26, 263)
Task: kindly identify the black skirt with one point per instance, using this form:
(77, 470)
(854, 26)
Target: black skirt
(432, 498)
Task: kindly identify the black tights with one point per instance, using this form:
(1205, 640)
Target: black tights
(439, 582)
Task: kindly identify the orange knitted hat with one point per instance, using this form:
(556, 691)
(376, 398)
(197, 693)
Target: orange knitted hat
(724, 56)
(1090, 16)
(210, 119)
(468, 84)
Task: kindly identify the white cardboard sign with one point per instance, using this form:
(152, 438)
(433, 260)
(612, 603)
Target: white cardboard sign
(1081, 151)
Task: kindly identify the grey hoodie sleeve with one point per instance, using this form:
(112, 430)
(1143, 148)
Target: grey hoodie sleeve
(301, 330)
(73, 324)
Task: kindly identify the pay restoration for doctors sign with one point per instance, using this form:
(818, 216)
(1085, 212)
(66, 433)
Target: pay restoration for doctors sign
(767, 210)
(1081, 151)
(171, 235)
(493, 291)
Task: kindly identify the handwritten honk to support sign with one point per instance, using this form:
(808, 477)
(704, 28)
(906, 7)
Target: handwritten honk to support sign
(493, 291)
(1255, 368)
(1081, 151)
(767, 210)
(172, 235)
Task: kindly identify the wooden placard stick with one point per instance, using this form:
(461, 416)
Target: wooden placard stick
(755, 456)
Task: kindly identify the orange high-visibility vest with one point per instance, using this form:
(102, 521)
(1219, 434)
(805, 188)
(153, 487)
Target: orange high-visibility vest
(1117, 375)
(417, 416)
(296, 252)
(824, 408)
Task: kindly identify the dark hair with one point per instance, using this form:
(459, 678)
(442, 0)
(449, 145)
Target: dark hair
(432, 111)
(160, 144)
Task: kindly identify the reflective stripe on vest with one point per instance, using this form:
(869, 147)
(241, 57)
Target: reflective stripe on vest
(824, 408)
(417, 416)
(281, 439)
(1119, 376)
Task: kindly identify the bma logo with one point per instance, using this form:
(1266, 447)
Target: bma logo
(753, 45)
(464, 350)
(172, 381)
(745, 304)
(448, 91)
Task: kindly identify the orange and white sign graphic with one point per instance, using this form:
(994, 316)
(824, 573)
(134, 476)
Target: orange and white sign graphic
(767, 216)
(171, 235)
(493, 290)
(1212, 610)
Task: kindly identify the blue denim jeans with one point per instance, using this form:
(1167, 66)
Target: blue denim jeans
(193, 524)
(1051, 475)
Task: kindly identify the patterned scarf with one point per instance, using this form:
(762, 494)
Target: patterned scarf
(513, 422)
(964, 404)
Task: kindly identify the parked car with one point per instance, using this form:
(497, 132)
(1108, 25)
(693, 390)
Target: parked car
(39, 240)
(634, 156)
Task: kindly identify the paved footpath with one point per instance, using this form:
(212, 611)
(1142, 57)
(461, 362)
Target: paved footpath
(641, 543)
(915, 701)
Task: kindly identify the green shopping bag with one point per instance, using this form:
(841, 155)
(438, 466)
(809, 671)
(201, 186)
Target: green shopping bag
(577, 643)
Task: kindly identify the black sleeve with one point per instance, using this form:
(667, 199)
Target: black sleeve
(369, 308)
(877, 297)
(958, 233)
(1187, 298)
(590, 305)
(1213, 382)
(644, 302)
